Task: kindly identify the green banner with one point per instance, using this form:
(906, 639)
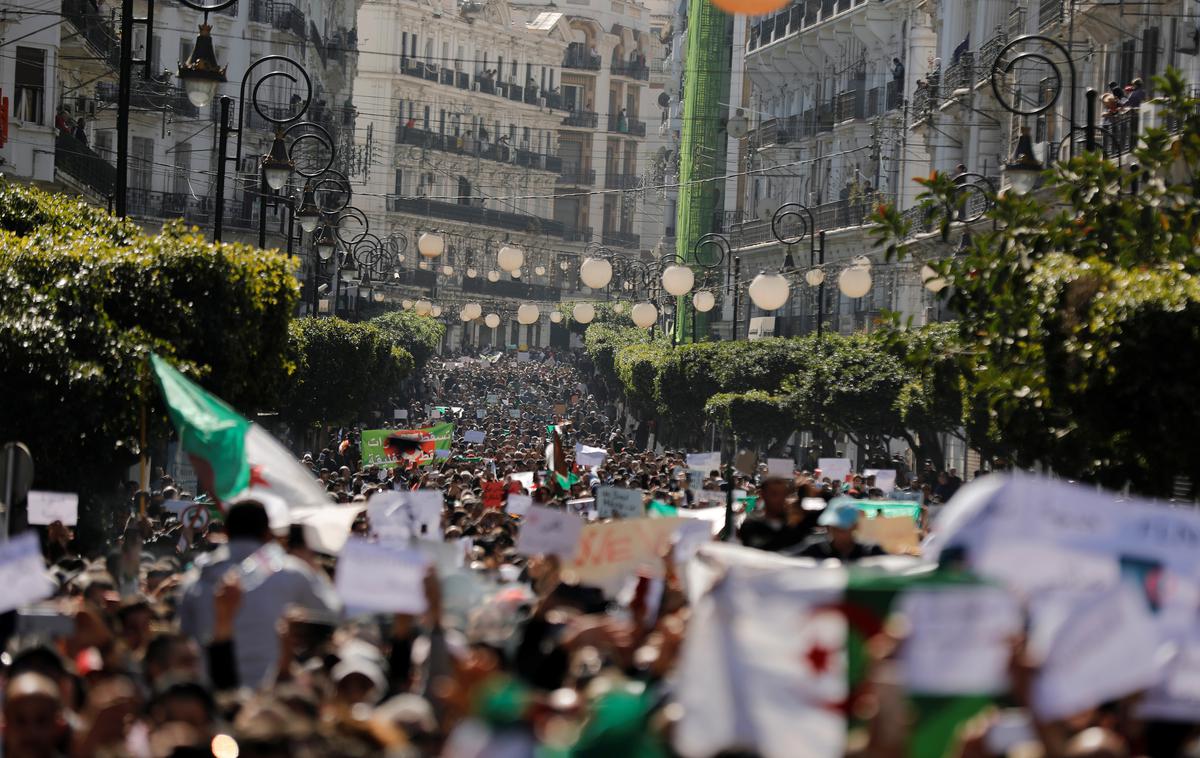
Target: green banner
(443, 434)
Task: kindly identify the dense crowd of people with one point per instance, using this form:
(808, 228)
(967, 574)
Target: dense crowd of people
(220, 631)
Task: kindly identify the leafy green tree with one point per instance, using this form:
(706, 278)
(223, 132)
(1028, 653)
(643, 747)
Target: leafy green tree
(758, 417)
(602, 341)
(420, 336)
(343, 370)
(1079, 309)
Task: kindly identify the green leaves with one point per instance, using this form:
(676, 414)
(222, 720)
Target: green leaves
(420, 336)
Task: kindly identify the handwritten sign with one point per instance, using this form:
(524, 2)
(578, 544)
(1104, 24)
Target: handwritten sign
(705, 462)
(382, 578)
(518, 505)
(619, 502)
(834, 469)
(960, 639)
(549, 531)
(560, 408)
(48, 507)
(403, 515)
(588, 456)
(885, 478)
(23, 576)
(780, 467)
(473, 437)
(612, 551)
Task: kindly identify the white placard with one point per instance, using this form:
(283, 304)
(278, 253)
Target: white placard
(589, 457)
(435, 413)
(705, 462)
(177, 506)
(885, 478)
(960, 641)
(481, 413)
(522, 357)
(619, 502)
(834, 469)
(716, 497)
(23, 576)
(48, 507)
(382, 578)
(784, 467)
(400, 414)
(524, 477)
(518, 505)
(546, 530)
(402, 515)
(441, 452)
(473, 436)
(514, 413)
(493, 399)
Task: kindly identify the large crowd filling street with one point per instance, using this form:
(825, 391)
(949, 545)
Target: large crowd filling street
(501, 569)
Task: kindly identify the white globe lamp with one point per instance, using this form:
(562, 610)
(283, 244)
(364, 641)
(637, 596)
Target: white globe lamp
(931, 279)
(528, 314)
(435, 311)
(644, 315)
(423, 307)
(815, 277)
(555, 317)
(510, 258)
(431, 245)
(584, 313)
(595, 272)
(678, 280)
(540, 270)
(492, 320)
(769, 291)
(855, 281)
(703, 301)
(493, 276)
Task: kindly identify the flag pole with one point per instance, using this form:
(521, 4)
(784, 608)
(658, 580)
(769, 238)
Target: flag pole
(143, 463)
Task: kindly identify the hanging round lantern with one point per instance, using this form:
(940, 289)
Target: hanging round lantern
(619, 308)
(583, 313)
(492, 320)
(861, 261)
(769, 291)
(406, 304)
(855, 281)
(555, 317)
(431, 245)
(423, 307)
(933, 281)
(528, 314)
(815, 277)
(644, 315)
(703, 301)
(595, 272)
(750, 7)
(510, 258)
(516, 273)
(564, 265)
(473, 311)
(540, 270)
(464, 315)
(678, 280)
(493, 276)
(472, 273)
(435, 311)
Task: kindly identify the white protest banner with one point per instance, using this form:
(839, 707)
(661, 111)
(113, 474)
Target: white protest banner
(885, 478)
(589, 457)
(518, 505)
(1086, 634)
(710, 496)
(402, 515)
(959, 640)
(399, 414)
(610, 552)
(48, 507)
(441, 452)
(784, 467)
(834, 469)
(688, 538)
(524, 477)
(714, 517)
(695, 479)
(381, 578)
(493, 399)
(619, 502)
(23, 578)
(583, 506)
(546, 530)
(326, 528)
(704, 462)
(473, 436)
(435, 413)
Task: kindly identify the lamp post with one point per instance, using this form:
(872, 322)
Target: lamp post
(1024, 167)
(816, 248)
(224, 129)
(702, 255)
(277, 167)
(200, 74)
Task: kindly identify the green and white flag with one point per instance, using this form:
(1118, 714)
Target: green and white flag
(776, 654)
(231, 455)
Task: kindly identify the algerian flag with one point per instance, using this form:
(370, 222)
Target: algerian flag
(231, 454)
(775, 656)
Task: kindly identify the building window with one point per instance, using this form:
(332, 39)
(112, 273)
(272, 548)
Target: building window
(141, 164)
(183, 168)
(30, 99)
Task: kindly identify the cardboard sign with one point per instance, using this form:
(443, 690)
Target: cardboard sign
(473, 437)
(400, 414)
(518, 505)
(560, 409)
(619, 502)
(746, 462)
(781, 467)
(405, 515)
(608, 553)
(834, 469)
(48, 507)
(23, 578)
(549, 531)
(897, 535)
(590, 457)
(704, 462)
(382, 578)
(493, 399)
